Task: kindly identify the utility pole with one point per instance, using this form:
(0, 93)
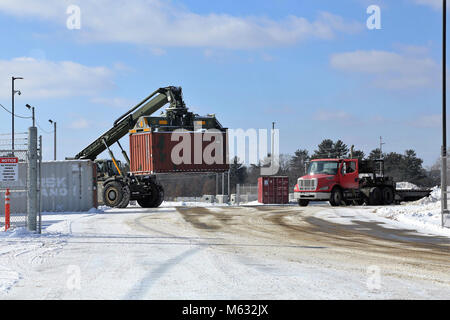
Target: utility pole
(54, 138)
(13, 93)
(381, 147)
(32, 113)
(272, 144)
(32, 177)
(444, 209)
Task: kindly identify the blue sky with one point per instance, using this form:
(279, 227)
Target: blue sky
(311, 66)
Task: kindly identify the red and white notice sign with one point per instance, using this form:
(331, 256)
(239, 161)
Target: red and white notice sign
(9, 169)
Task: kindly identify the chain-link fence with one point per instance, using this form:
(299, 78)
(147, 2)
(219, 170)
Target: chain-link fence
(18, 186)
(248, 189)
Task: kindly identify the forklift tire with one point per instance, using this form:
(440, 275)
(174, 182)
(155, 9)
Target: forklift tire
(388, 196)
(303, 202)
(113, 194)
(125, 198)
(336, 197)
(155, 199)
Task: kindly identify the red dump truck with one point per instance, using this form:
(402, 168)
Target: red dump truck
(351, 181)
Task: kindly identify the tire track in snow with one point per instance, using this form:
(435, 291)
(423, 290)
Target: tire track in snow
(139, 291)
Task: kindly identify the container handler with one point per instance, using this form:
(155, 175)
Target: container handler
(115, 182)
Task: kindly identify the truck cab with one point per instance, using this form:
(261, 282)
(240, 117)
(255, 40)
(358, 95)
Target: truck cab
(344, 181)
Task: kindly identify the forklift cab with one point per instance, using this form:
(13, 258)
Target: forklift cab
(106, 169)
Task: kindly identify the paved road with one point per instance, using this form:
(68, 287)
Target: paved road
(228, 253)
(394, 263)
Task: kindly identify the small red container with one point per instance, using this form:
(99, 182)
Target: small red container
(273, 190)
(155, 152)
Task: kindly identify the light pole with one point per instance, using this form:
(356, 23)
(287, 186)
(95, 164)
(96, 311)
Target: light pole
(13, 93)
(54, 138)
(32, 113)
(444, 209)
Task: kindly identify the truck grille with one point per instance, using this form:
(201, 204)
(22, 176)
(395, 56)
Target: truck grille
(307, 184)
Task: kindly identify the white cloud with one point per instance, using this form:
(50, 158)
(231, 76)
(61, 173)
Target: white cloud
(389, 70)
(412, 50)
(158, 51)
(435, 4)
(427, 121)
(114, 102)
(48, 79)
(159, 23)
(79, 124)
(332, 115)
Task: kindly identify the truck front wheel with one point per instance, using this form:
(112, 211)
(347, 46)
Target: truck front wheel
(336, 197)
(303, 202)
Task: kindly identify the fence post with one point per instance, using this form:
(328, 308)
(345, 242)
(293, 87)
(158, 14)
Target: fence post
(32, 202)
(228, 185)
(238, 194)
(7, 210)
(40, 185)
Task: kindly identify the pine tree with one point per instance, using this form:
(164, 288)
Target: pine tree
(340, 149)
(357, 154)
(375, 154)
(238, 173)
(325, 150)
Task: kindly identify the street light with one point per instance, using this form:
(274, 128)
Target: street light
(13, 93)
(444, 209)
(32, 112)
(54, 138)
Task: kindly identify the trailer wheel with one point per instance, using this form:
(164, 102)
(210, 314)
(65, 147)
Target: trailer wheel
(336, 197)
(303, 202)
(375, 196)
(113, 194)
(388, 196)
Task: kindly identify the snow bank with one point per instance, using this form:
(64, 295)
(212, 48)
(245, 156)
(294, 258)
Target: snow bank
(16, 233)
(424, 214)
(406, 185)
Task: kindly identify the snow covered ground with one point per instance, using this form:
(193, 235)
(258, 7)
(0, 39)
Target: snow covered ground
(424, 215)
(183, 251)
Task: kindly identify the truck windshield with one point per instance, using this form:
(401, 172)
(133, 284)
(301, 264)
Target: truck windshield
(323, 167)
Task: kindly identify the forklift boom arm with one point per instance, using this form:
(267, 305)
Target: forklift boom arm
(127, 121)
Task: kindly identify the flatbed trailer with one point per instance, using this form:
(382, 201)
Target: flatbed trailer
(406, 195)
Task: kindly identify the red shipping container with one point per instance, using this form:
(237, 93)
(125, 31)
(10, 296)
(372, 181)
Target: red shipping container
(155, 152)
(273, 190)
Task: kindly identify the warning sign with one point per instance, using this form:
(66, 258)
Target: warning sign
(9, 169)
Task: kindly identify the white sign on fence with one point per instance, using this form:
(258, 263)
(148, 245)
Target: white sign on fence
(9, 169)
